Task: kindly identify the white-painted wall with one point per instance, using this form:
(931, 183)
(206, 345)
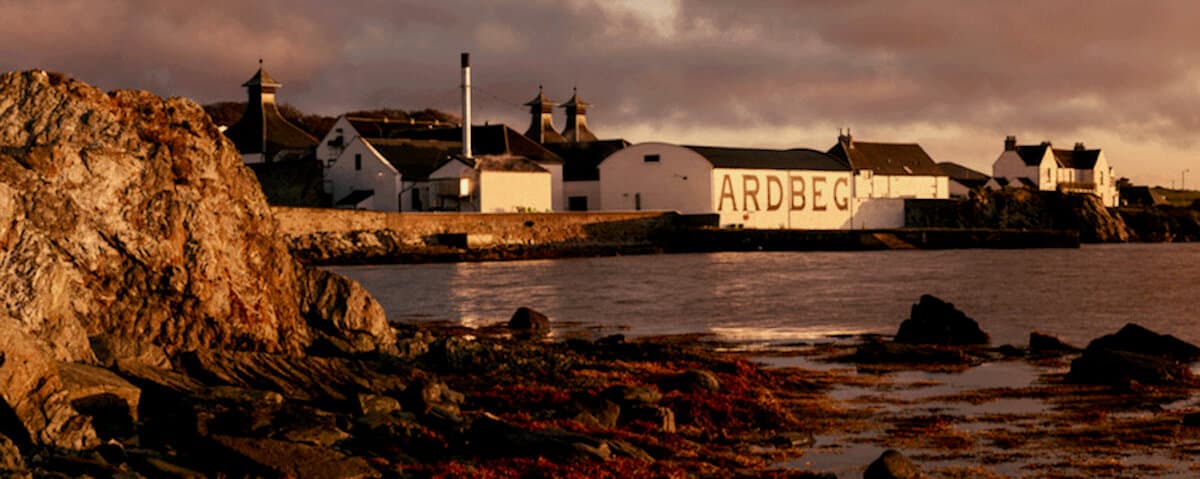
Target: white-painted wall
(558, 196)
(867, 184)
(791, 199)
(1010, 166)
(679, 181)
(586, 189)
(514, 191)
(375, 174)
(325, 151)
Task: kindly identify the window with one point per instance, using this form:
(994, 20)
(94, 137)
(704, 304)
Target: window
(651, 158)
(358, 162)
(577, 203)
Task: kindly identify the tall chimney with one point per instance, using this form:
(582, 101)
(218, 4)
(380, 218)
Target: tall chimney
(1010, 143)
(466, 104)
(1079, 146)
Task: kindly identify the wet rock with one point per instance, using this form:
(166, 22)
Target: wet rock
(880, 352)
(530, 322)
(493, 436)
(109, 349)
(595, 412)
(1120, 368)
(695, 380)
(892, 465)
(398, 435)
(133, 215)
(425, 394)
(627, 395)
(331, 381)
(32, 389)
(376, 404)
(934, 321)
(1137, 339)
(252, 456)
(1044, 344)
(111, 402)
(663, 419)
(625, 449)
(794, 439)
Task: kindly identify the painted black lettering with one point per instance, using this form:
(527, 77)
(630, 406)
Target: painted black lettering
(750, 194)
(841, 200)
(797, 183)
(774, 193)
(726, 192)
(818, 182)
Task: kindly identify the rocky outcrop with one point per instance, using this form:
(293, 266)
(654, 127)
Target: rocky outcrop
(127, 214)
(1136, 354)
(892, 465)
(1022, 209)
(934, 321)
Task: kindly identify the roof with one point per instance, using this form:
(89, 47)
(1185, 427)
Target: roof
(247, 134)
(575, 103)
(261, 78)
(540, 101)
(753, 158)
(487, 140)
(1141, 195)
(414, 159)
(887, 158)
(1032, 155)
(511, 163)
(960, 172)
(1079, 159)
(581, 161)
(355, 197)
(384, 127)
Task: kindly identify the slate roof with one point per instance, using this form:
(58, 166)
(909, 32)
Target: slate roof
(887, 158)
(247, 133)
(383, 127)
(759, 159)
(581, 161)
(414, 159)
(963, 175)
(487, 140)
(513, 163)
(1078, 159)
(1032, 154)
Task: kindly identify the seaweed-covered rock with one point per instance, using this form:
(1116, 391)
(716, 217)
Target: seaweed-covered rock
(892, 465)
(1137, 339)
(529, 322)
(934, 321)
(1119, 368)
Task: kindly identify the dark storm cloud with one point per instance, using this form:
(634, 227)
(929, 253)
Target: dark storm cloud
(1053, 69)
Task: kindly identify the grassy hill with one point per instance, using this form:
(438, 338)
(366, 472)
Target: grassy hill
(1183, 198)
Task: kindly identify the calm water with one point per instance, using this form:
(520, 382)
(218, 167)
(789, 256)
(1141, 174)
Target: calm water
(1075, 294)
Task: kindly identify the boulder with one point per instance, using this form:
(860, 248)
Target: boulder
(1044, 344)
(130, 215)
(34, 394)
(595, 412)
(663, 419)
(695, 380)
(109, 349)
(1137, 339)
(243, 456)
(530, 322)
(934, 321)
(1119, 368)
(892, 465)
(628, 395)
(100, 394)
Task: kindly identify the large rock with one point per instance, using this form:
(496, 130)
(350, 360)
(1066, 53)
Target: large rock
(131, 215)
(892, 465)
(332, 381)
(33, 392)
(934, 321)
(272, 458)
(1137, 339)
(1136, 354)
(109, 400)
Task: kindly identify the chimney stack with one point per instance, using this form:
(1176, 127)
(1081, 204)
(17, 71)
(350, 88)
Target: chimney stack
(1010, 143)
(846, 138)
(1079, 146)
(466, 104)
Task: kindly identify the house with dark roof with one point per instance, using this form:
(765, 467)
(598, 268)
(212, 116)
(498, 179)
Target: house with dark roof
(263, 135)
(963, 180)
(501, 183)
(748, 187)
(891, 170)
(1079, 170)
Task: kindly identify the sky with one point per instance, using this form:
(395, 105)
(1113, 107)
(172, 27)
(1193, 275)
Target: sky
(956, 76)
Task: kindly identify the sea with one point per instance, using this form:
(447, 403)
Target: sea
(789, 297)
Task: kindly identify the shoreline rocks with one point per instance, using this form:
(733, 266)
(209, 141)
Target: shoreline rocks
(934, 321)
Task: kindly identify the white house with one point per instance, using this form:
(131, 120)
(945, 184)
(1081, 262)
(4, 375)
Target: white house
(491, 184)
(385, 174)
(963, 180)
(751, 188)
(1079, 170)
(884, 175)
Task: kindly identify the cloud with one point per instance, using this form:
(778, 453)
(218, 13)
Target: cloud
(957, 76)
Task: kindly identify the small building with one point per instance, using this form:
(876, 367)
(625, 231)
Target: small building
(884, 175)
(503, 183)
(263, 135)
(1143, 196)
(1077, 171)
(746, 187)
(963, 180)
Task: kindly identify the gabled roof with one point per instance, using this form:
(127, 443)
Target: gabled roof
(1032, 155)
(759, 159)
(414, 159)
(1078, 159)
(247, 134)
(887, 158)
(487, 140)
(581, 161)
